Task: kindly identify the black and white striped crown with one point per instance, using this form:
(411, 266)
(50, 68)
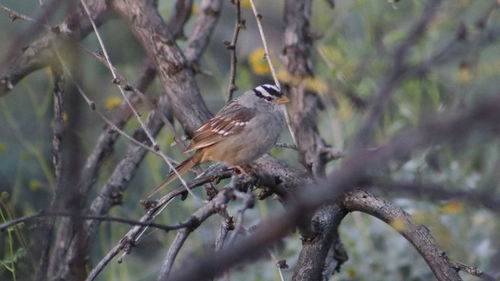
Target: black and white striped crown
(268, 92)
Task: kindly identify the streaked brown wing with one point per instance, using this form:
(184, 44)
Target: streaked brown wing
(229, 121)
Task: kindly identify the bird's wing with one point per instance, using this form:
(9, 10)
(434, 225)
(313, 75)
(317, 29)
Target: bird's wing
(228, 122)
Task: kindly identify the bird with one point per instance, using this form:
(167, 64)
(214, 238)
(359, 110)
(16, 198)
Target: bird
(241, 132)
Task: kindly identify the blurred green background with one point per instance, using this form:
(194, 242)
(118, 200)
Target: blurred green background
(351, 58)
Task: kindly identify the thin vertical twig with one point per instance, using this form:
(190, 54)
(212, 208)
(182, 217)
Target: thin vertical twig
(258, 18)
(156, 147)
(231, 46)
(115, 77)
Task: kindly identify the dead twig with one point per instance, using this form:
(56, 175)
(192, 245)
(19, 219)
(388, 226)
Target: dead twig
(258, 18)
(474, 271)
(231, 46)
(17, 221)
(213, 173)
(156, 147)
(219, 202)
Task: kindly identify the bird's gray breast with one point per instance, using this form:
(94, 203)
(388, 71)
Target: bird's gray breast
(258, 137)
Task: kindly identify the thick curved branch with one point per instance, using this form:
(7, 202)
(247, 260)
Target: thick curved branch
(418, 235)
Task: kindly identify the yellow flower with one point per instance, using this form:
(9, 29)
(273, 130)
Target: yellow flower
(245, 4)
(258, 62)
(398, 224)
(35, 185)
(3, 147)
(452, 207)
(330, 53)
(345, 110)
(112, 102)
(284, 76)
(464, 74)
(4, 195)
(351, 272)
(419, 218)
(316, 85)
(65, 117)
(195, 9)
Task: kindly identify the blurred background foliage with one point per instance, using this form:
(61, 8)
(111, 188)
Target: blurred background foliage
(351, 58)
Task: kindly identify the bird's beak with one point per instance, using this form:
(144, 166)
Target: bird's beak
(283, 100)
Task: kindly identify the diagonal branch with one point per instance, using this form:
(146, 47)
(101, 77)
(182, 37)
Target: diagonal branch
(133, 235)
(217, 203)
(39, 54)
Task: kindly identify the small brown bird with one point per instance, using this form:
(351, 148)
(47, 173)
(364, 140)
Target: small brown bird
(242, 131)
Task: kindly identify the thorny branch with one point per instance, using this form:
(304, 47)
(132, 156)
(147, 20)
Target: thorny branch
(13, 15)
(231, 46)
(42, 214)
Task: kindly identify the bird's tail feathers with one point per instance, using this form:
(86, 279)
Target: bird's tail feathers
(181, 169)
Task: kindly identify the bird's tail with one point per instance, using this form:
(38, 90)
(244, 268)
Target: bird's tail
(181, 169)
